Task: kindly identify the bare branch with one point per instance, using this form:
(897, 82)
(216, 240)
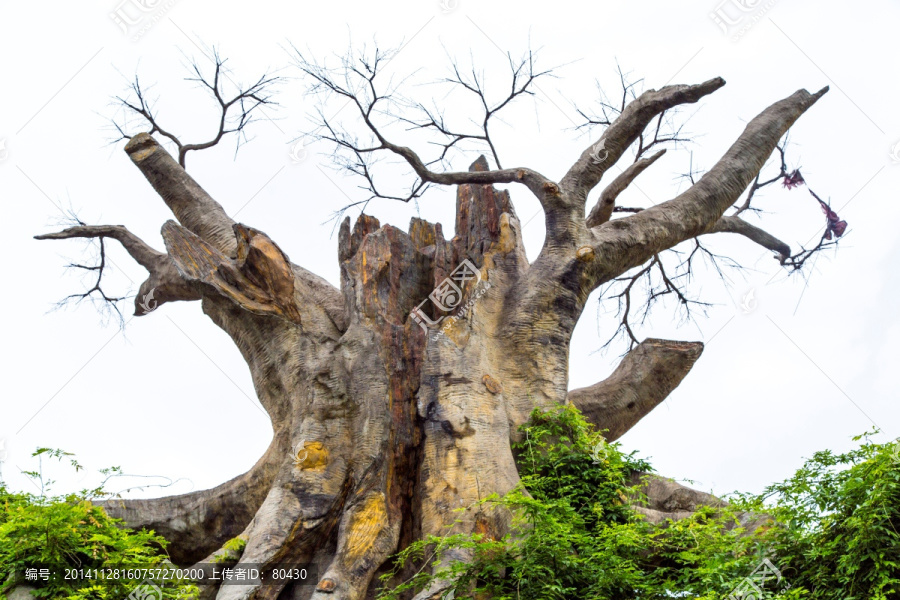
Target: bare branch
(609, 111)
(106, 303)
(751, 232)
(163, 285)
(634, 118)
(246, 101)
(644, 378)
(790, 180)
(605, 206)
(834, 229)
(356, 83)
(657, 284)
(189, 202)
(626, 243)
(757, 184)
(143, 254)
(523, 75)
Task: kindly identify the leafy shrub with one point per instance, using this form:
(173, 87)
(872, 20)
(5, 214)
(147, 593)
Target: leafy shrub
(575, 535)
(70, 532)
(841, 518)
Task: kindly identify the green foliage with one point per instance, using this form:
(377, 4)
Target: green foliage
(69, 532)
(575, 535)
(235, 545)
(230, 552)
(562, 459)
(841, 517)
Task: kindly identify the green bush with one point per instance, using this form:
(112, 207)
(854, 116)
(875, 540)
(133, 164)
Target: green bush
(841, 518)
(70, 532)
(575, 536)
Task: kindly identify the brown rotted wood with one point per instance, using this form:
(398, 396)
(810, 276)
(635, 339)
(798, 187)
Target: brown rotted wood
(259, 280)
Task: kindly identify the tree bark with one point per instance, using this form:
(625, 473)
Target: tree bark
(395, 398)
(645, 378)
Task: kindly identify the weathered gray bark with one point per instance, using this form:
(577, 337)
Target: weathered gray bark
(603, 210)
(381, 427)
(644, 378)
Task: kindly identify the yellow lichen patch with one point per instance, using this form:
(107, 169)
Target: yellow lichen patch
(489, 260)
(364, 260)
(585, 254)
(141, 146)
(482, 527)
(365, 526)
(139, 155)
(312, 456)
(423, 233)
(507, 240)
(504, 244)
(457, 331)
(493, 386)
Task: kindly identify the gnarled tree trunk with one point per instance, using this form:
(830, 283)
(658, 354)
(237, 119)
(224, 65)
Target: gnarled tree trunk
(385, 422)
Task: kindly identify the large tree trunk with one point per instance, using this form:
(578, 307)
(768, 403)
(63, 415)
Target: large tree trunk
(390, 412)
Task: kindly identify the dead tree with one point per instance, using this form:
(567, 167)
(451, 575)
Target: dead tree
(395, 397)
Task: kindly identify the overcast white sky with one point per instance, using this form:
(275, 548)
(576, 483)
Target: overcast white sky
(171, 395)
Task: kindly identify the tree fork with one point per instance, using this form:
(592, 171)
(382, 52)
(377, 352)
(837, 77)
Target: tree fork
(383, 426)
(391, 427)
